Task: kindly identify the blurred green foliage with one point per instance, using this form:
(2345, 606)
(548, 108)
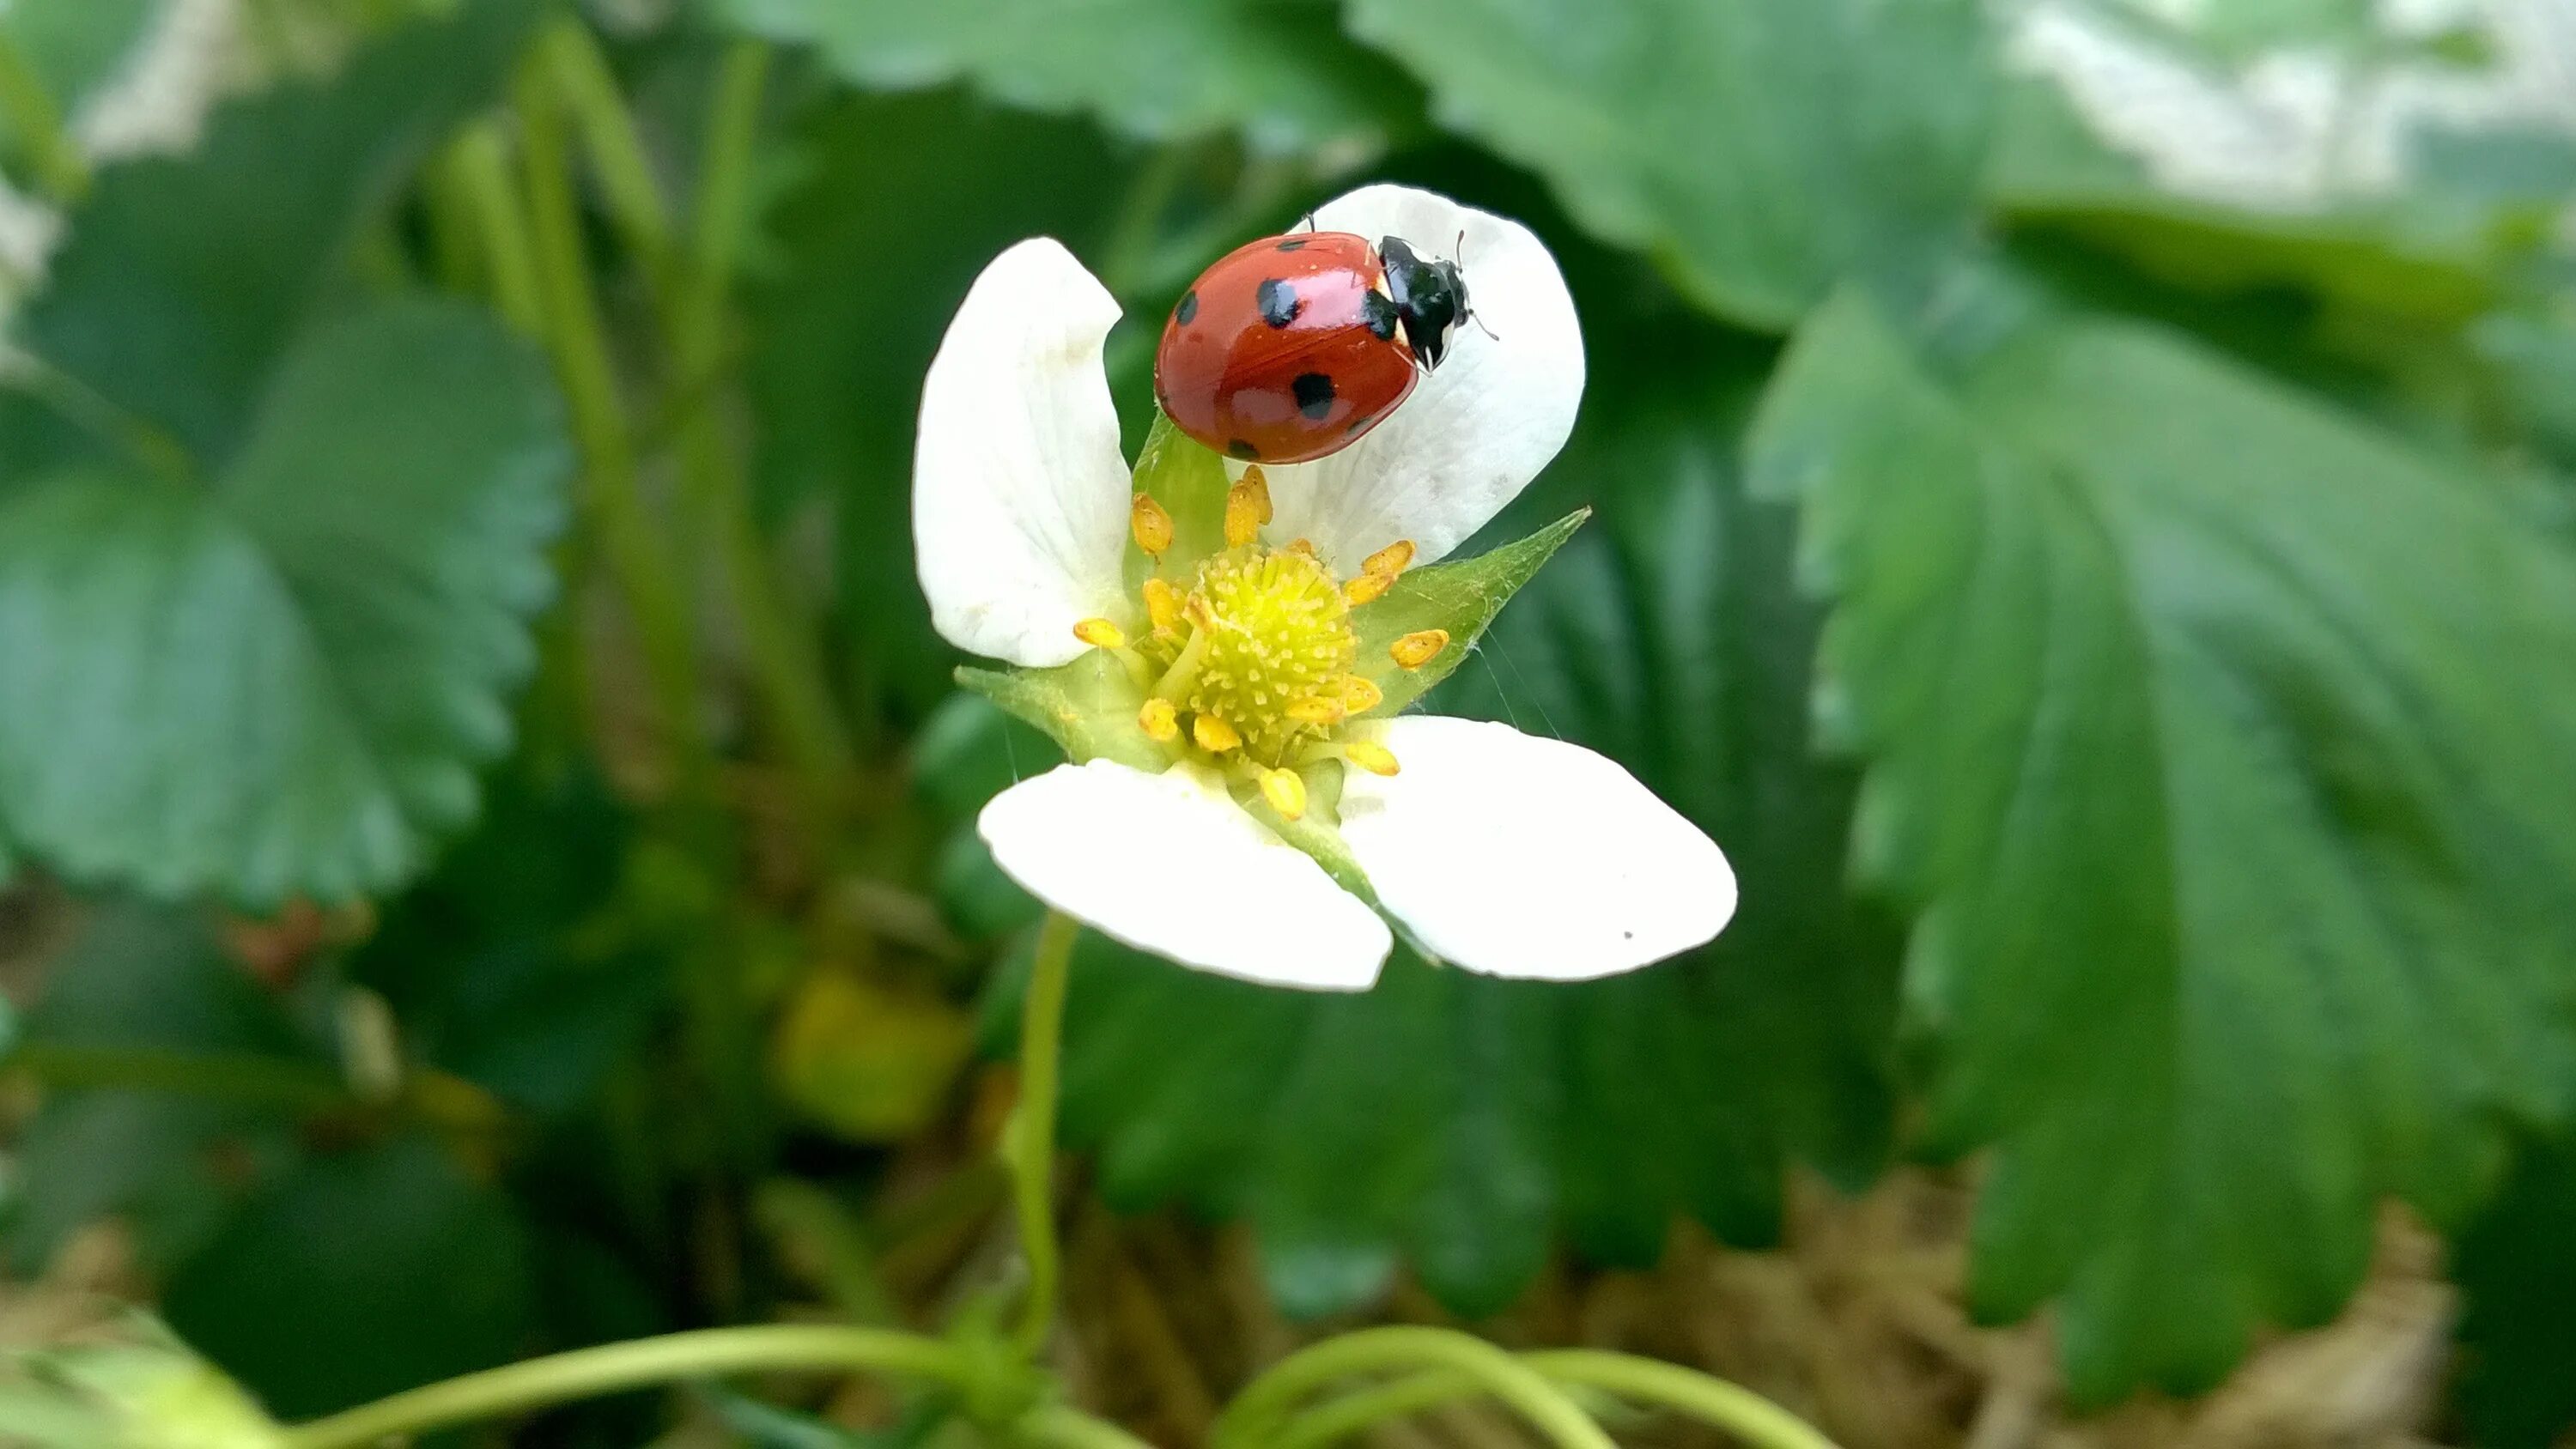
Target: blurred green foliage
(458, 644)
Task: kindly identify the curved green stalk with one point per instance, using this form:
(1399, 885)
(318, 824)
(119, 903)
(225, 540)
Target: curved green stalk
(1253, 1417)
(1029, 1144)
(586, 1373)
(1748, 1416)
(1059, 1427)
(1740, 1411)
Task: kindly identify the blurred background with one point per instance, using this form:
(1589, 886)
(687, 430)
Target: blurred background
(2084, 518)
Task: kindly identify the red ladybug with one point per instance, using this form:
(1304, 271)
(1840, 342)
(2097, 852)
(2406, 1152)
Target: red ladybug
(1293, 346)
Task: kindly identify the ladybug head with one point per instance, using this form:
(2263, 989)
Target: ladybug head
(1430, 299)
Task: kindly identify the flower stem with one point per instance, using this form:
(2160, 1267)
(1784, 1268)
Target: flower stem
(586, 1373)
(1029, 1143)
(1739, 1411)
(1253, 1417)
(1748, 1416)
(613, 497)
(688, 279)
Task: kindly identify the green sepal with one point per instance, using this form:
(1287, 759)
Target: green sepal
(1088, 707)
(1190, 483)
(1461, 596)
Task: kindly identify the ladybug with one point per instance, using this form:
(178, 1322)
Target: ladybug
(1293, 346)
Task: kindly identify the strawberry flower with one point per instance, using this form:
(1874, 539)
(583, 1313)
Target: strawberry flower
(1225, 651)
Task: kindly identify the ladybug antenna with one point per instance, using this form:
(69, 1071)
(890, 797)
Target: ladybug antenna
(1478, 319)
(1458, 248)
(1310, 221)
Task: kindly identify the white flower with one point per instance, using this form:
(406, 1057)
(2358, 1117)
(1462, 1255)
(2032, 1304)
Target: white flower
(1244, 781)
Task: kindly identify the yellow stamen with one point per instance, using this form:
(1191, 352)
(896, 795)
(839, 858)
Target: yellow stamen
(1366, 588)
(1151, 525)
(1389, 561)
(1371, 756)
(1163, 604)
(1304, 546)
(1160, 722)
(1419, 647)
(1359, 696)
(1100, 633)
(1214, 735)
(1285, 791)
(1247, 507)
(1318, 710)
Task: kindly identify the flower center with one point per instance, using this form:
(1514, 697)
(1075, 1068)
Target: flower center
(1269, 635)
(1251, 666)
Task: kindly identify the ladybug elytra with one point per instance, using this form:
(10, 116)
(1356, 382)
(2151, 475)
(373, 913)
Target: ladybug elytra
(1293, 347)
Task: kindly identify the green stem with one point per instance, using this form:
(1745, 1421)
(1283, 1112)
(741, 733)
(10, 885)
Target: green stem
(785, 665)
(30, 111)
(1059, 1427)
(589, 90)
(1332, 1422)
(689, 301)
(586, 1373)
(1748, 1416)
(1251, 1418)
(1741, 1412)
(478, 166)
(613, 496)
(1029, 1143)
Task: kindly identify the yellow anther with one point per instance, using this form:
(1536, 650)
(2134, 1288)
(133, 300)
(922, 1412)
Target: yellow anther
(1305, 546)
(1247, 507)
(1163, 605)
(1285, 791)
(1100, 633)
(1318, 710)
(1419, 647)
(1151, 525)
(1365, 588)
(1371, 756)
(1359, 696)
(1214, 735)
(1160, 722)
(1389, 561)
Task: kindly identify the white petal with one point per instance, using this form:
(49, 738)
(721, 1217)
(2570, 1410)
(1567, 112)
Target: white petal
(1169, 864)
(1519, 856)
(1019, 493)
(1474, 433)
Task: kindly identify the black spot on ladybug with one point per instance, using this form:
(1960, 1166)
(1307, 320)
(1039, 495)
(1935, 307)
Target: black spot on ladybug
(1244, 450)
(1188, 309)
(1279, 302)
(1292, 244)
(1314, 392)
(1378, 311)
(1357, 423)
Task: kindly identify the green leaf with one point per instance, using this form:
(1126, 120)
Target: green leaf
(1759, 149)
(359, 1275)
(1278, 71)
(2516, 1269)
(1461, 1124)
(519, 968)
(282, 685)
(186, 277)
(151, 989)
(1461, 596)
(1087, 707)
(2212, 740)
(2424, 254)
